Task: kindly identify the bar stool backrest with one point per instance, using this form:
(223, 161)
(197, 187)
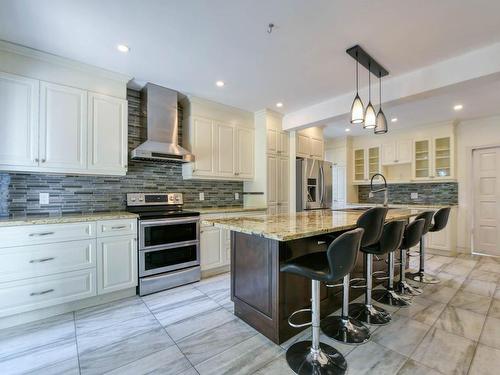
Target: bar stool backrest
(427, 216)
(343, 253)
(392, 236)
(413, 233)
(440, 219)
(372, 221)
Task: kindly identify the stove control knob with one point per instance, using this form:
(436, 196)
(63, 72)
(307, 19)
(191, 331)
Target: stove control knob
(133, 199)
(141, 199)
(177, 199)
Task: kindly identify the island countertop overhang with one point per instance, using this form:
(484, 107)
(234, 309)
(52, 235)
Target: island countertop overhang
(293, 226)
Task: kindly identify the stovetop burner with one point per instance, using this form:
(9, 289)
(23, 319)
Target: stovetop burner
(157, 205)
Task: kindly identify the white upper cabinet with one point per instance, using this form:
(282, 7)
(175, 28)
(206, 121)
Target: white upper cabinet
(203, 147)
(225, 150)
(272, 180)
(107, 133)
(272, 141)
(397, 152)
(245, 153)
(19, 97)
(317, 148)
(434, 158)
(303, 146)
(310, 146)
(284, 143)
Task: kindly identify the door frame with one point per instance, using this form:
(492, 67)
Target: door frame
(470, 193)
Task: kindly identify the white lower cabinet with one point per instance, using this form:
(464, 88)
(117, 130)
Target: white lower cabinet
(50, 264)
(213, 248)
(116, 263)
(35, 293)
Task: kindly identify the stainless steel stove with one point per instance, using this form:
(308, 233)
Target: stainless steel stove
(169, 241)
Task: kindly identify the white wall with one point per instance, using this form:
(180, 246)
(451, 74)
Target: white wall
(470, 134)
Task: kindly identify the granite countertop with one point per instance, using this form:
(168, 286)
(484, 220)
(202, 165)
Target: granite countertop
(340, 206)
(64, 218)
(286, 227)
(224, 210)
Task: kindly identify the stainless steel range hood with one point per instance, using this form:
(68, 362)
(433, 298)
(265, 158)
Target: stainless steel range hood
(159, 104)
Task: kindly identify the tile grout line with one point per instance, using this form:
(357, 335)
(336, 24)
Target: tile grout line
(76, 343)
(164, 329)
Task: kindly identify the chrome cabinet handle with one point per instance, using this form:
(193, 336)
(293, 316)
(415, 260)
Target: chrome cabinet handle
(119, 227)
(42, 292)
(41, 260)
(41, 234)
(321, 242)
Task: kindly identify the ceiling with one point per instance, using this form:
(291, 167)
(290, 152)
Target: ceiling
(188, 45)
(479, 98)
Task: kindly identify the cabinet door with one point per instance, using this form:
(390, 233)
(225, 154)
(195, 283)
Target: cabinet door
(359, 165)
(244, 153)
(203, 147)
(225, 150)
(211, 248)
(19, 120)
(442, 158)
(283, 181)
(404, 151)
(339, 184)
(63, 127)
(303, 145)
(422, 164)
(272, 209)
(316, 148)
(388, 151)
(116, 263)
(107, 134)
(283, 144)
(283, 209)
(272, 180)
(373, 161)
(272, 141)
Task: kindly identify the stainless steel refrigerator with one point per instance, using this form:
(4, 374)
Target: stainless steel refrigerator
(313, 184)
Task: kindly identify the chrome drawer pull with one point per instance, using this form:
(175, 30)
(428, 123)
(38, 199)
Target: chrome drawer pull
(40, 293)
(41, 234)
(321, 242)
(119, 227)
(41, 260)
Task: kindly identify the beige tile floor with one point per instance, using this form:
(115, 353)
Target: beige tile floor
(453, 328)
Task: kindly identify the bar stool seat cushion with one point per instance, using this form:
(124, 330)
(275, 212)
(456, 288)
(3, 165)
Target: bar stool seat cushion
(313, 266)
(389, 241)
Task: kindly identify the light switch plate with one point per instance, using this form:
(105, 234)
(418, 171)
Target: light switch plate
(414, 196)
(202, 196)
(236, 196)
(43, 198)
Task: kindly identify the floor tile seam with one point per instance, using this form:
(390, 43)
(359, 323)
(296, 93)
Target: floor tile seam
(76, 343)
(234, 318)
(35, 348)
(174, 342)
(110, 325)
(247, 339)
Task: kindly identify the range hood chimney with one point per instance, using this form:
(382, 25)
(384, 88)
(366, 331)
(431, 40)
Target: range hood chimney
(162, 143)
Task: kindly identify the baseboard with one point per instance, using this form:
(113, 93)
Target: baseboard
(47, 312)
(214, 271)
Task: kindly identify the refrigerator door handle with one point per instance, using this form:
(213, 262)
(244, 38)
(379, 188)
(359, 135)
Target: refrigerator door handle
(322, 177)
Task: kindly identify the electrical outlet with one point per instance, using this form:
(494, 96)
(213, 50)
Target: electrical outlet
(236, 196)
(202, 196)
(414, 196)
(43, 198)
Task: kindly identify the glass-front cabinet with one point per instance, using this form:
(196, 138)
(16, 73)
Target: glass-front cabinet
(373, 161)
(366, 163)
(359, 165)
(433, 158)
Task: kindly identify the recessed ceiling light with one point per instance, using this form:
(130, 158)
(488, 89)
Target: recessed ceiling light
(123, 48)
(279, 104)
(347, 129)
(220, 83)
(394, 119)
(458, 107)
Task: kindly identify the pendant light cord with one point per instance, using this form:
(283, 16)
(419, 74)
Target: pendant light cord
(369, 84)
(357, 73)
(380, 90)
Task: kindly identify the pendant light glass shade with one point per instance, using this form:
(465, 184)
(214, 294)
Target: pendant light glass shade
(370, 117)
(357, 111)
(381, 126)
(357, 108)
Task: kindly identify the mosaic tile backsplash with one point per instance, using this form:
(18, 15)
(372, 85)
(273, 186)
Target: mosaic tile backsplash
(431, 193)
(19, 192)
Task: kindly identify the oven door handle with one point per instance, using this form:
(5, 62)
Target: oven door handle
(172, 245)
(148, 223)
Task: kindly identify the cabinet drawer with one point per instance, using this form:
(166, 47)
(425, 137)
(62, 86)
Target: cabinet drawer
(40, 234)
(116, 227)
(39, 292)
(23, 262)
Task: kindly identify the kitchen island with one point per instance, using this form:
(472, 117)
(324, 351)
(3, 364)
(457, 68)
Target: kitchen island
(263, 296)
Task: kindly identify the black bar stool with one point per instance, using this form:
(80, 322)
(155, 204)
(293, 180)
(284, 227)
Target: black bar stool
(420, 276)
(373, 223)
(411, 237)
(345, 328)
(313, 357)
(391, 240)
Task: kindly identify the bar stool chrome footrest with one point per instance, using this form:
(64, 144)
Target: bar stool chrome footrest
(369, 314)
(380, 273)
(348, 331)
(302, 359)
(299, 325)
(423, 278)
(357, 280)
(404, 288)
(391, 298)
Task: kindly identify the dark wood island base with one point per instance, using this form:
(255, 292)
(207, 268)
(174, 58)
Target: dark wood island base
(264, 297)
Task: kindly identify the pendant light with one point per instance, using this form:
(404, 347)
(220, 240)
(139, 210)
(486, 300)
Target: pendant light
(370, 116)
(357, 108)
(381, 126)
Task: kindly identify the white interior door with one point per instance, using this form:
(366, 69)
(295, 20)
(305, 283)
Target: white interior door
(486, 190)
